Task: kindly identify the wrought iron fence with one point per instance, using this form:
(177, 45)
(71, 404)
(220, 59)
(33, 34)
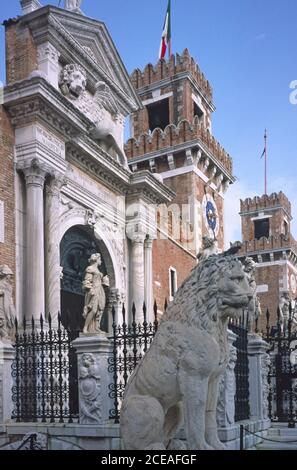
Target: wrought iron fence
(282, 378)
(130, 342)
(242, 407)
(44, 372)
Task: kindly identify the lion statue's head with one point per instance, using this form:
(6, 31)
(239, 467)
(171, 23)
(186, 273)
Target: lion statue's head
(73, 80)
(217, 289)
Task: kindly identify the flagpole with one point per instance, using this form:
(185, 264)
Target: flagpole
(170, 44)
(265, 149)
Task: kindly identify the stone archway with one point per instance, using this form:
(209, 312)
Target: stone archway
(76, 247)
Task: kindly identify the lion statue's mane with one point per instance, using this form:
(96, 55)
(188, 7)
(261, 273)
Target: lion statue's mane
(180, 373)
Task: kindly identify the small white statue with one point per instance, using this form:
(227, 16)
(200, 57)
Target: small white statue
(254, 307)
(284, 309)
(209, 247)
(95, 298)
(7, 309)
(73, 5)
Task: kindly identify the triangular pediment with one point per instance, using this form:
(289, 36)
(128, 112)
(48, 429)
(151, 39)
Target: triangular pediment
(87, 42)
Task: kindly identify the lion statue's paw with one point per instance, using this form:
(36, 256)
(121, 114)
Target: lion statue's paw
(156, 446)
(217, 445)
(176, 444)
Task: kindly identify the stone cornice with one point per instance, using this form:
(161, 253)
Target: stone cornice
(266, 209)
(193, 144)
(91, 158)
(36, 98)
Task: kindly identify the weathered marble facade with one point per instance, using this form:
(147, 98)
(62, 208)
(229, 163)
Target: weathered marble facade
(68, 115)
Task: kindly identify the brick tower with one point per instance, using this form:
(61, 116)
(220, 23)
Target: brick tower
(267, 238)
(172, 137)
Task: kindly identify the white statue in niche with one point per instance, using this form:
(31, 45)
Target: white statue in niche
(73, 5)
(95, 298)
(177, 381)
(101, 109)
(7, 309)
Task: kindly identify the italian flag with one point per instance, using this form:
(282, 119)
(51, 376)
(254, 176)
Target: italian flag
(166, 35)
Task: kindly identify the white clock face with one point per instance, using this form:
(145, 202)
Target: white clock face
(293, 283)
(210, 215)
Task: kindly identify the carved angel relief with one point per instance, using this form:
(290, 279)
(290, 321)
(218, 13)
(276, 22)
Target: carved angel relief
(101, 108)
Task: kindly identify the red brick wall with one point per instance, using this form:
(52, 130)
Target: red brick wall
(269, 275)
(7, 249)
(21, 53)
(167, 254)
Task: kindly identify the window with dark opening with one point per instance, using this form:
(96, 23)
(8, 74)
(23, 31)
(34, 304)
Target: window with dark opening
(286, 228)
(197, 111)
(261, 228)
(158, 114)
(173, 282)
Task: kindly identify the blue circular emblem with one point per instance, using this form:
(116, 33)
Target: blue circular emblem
(211, 215)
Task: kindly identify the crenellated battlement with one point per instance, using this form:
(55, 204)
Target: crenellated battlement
(175, 135)
(265, 202)
(167, 69)
(272, 243)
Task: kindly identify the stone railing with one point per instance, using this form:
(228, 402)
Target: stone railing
(175, 135)
(165, 69)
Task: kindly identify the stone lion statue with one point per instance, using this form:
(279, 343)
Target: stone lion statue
(177, 381)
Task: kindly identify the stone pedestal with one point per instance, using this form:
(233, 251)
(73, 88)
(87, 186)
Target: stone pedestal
(93, 352)
(258, 371)
(6, 358)
(48, 62)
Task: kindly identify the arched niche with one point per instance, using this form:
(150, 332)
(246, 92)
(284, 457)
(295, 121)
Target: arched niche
(77, 245)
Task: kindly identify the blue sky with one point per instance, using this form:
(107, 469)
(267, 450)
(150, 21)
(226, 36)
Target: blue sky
(247, 50)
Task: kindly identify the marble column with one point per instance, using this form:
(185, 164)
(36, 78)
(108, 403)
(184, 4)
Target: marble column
(34, 277)
(148, 277)
(137, 275)
(52, 247)
(258, 370)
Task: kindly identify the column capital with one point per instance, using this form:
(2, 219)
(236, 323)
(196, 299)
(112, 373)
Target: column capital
(148, 242)
(55, 184)
(256, 345)
(138, 239)
(34, 171)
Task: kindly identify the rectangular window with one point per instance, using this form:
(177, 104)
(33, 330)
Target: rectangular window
(197, 111)
(158, 114)
(261, 228)
(172, 282)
